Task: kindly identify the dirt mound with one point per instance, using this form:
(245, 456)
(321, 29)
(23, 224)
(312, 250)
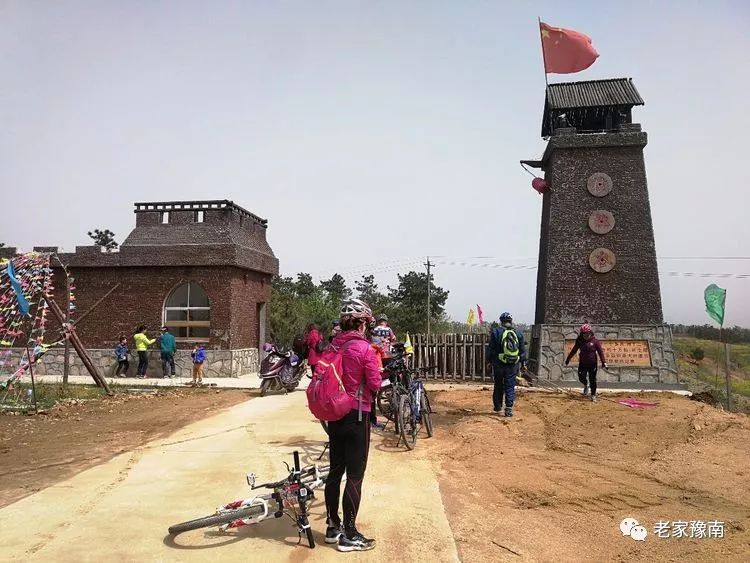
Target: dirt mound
(555, 481)
(707, 397)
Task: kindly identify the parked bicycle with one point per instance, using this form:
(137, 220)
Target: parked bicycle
(290, 496)
(405, 400)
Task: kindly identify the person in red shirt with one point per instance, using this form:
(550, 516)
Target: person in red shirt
(589, 347)
(314, 344)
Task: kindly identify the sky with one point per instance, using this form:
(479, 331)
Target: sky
(370, 134)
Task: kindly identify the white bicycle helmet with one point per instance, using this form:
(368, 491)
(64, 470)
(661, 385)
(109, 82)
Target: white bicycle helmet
(357, 309)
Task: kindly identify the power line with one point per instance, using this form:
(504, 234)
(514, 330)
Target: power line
(533, 267)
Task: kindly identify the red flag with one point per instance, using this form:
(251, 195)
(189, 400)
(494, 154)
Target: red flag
(481, 315)
(565, 50)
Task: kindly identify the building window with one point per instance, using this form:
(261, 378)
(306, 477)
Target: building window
(164, 217)
(199, 216)
(187, 312)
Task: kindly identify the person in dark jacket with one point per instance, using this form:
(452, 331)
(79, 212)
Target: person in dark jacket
(506, 353)
(121, 353)
(168, 346)
(588, 347)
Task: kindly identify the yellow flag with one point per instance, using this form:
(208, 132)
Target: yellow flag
(407, 345)
(470, 318)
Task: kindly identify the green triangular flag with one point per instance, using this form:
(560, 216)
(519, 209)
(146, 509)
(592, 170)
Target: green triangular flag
(715, 299)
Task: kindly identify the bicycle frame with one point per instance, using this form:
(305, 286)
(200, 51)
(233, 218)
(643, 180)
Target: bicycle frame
(296, 490)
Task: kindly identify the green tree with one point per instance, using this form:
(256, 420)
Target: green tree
(297, 303)
(410, 302)
(697, 354)
(336, 289)
(367, 290)
(105, 239)
(305, 286)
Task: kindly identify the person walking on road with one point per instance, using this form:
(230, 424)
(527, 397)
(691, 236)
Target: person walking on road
(142, 342)
(168, 345)
(506, 354)
(588, 347)
(349, 437)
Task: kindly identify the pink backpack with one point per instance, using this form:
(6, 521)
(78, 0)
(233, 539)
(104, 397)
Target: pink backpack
(326, 396)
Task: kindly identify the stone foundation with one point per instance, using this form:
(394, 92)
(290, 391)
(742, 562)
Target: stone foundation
(547, 353)
(219, 363)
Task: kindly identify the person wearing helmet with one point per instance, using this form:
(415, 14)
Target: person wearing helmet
(383, 336)
(588, 347)
(506, 354)
(349, 437)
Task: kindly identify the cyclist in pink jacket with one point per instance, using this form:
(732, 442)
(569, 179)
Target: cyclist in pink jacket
(349, 438)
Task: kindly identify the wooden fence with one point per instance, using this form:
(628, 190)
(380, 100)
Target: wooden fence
(456, 356)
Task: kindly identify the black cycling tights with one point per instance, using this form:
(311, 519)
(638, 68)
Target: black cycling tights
(349, 445)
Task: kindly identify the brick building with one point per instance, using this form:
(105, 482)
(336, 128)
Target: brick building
(597, 257)
(202, 268)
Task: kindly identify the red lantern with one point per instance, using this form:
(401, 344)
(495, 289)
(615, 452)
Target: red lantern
(540, 185)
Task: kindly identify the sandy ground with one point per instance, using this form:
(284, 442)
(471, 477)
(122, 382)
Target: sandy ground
(120, 510)
(553, 483)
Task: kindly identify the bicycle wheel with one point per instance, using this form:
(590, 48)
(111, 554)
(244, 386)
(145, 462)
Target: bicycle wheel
(216, 519)
(407, 422)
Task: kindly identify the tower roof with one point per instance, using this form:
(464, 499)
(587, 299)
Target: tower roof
(587, 97)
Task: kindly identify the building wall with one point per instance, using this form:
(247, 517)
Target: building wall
(219, 363)
(143, 291)
(569, 291)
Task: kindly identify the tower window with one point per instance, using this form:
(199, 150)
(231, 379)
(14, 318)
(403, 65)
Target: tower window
(199, 216)
(164, 217)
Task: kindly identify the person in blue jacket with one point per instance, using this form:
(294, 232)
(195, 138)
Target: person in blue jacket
(199, 357)
(506, 353)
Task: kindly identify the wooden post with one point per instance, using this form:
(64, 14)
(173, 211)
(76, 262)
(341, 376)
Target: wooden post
(455, 356)
(472, 359)
(729, 382)
(80, 350)
(66, 357)
(31, 373)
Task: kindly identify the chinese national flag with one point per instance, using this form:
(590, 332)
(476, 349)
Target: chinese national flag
(566, 50)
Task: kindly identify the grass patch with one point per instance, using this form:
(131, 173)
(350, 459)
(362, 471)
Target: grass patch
(47, 394)
(701, 376)
(739, 354)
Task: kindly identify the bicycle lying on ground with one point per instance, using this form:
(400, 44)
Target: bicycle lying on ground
(405, 400)
(290, 496)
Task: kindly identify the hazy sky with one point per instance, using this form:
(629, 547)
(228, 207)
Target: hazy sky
(368, 133)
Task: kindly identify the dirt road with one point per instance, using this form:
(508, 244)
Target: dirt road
(120, 511)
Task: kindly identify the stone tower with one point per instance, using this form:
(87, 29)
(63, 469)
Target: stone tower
(597, 258)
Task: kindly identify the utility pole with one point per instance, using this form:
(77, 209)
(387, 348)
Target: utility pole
(429, 285)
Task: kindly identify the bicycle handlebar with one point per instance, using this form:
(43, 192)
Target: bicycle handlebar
(309, 471)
